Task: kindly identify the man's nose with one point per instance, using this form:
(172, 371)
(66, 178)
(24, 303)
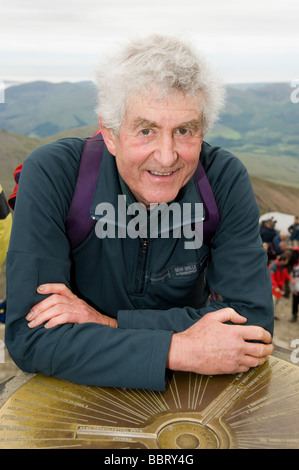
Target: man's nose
(165, 153)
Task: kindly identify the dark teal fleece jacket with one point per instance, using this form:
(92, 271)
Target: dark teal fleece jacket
(152, 293)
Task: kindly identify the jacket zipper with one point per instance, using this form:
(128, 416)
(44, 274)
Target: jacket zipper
(141, 266)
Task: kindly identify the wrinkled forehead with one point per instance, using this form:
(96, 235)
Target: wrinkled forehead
(158, 93)
(155, 105)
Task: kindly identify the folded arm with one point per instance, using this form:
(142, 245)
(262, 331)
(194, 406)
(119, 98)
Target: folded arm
(210, 346)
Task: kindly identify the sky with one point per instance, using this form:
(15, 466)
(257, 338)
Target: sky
(63, 40)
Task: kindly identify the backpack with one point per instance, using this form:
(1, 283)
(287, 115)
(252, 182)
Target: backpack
(78, 221)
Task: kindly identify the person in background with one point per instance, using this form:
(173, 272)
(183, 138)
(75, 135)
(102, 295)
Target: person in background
(294, 287)
(280, 243)
(5, 230)
(268, 231)
(279, 276)
(294, 231)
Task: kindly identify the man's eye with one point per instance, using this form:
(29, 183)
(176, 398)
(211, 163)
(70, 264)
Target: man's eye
(145, 131)
(183, 131)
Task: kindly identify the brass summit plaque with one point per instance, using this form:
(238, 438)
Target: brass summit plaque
(256, 409)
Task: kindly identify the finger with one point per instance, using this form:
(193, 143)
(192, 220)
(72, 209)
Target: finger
(58, 320)
(259, 349)
(46, 304)
(251, 361)
(53, 312)
(256, 333)
(55, 288)
(229, 314)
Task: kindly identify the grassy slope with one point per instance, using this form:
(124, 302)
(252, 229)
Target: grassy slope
(276, 191)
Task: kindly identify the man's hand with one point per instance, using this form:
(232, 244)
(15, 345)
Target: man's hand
(64, 307)
(211, 347)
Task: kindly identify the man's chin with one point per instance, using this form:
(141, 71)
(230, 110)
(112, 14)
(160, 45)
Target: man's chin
(163, 200)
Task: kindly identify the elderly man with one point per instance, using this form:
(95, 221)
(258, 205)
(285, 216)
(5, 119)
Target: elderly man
(124, 310)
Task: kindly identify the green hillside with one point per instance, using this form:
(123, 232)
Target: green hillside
(259, 125)
(14, 148)
(41, 109)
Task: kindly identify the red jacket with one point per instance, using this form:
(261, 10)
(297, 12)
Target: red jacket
(279, 275)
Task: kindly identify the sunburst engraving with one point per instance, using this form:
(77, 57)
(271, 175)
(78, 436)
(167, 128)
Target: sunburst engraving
(257, 409)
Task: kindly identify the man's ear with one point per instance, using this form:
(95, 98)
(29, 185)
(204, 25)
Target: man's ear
(109, 138)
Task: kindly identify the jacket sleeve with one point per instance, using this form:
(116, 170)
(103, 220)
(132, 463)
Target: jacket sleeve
(39, 252)
(237, 271)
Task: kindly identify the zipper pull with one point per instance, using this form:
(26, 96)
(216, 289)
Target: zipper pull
(144, 246)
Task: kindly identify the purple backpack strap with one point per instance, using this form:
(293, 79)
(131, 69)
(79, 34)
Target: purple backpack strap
(212, 217)
(79, 222)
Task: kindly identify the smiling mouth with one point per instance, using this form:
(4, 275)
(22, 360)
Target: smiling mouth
(157, 173)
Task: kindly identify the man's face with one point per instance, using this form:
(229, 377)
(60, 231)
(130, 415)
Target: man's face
(158, 146)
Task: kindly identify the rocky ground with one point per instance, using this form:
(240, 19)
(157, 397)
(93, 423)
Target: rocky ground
(7, 366)
(285, 332)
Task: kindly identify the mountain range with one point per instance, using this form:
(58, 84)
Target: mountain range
(41, 109)
(259, 125)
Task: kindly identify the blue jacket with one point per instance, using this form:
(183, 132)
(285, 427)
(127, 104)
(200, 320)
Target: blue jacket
(152, 294)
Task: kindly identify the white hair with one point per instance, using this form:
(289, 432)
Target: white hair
(160, 62)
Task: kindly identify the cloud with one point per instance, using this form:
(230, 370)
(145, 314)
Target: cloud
(47, 39)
